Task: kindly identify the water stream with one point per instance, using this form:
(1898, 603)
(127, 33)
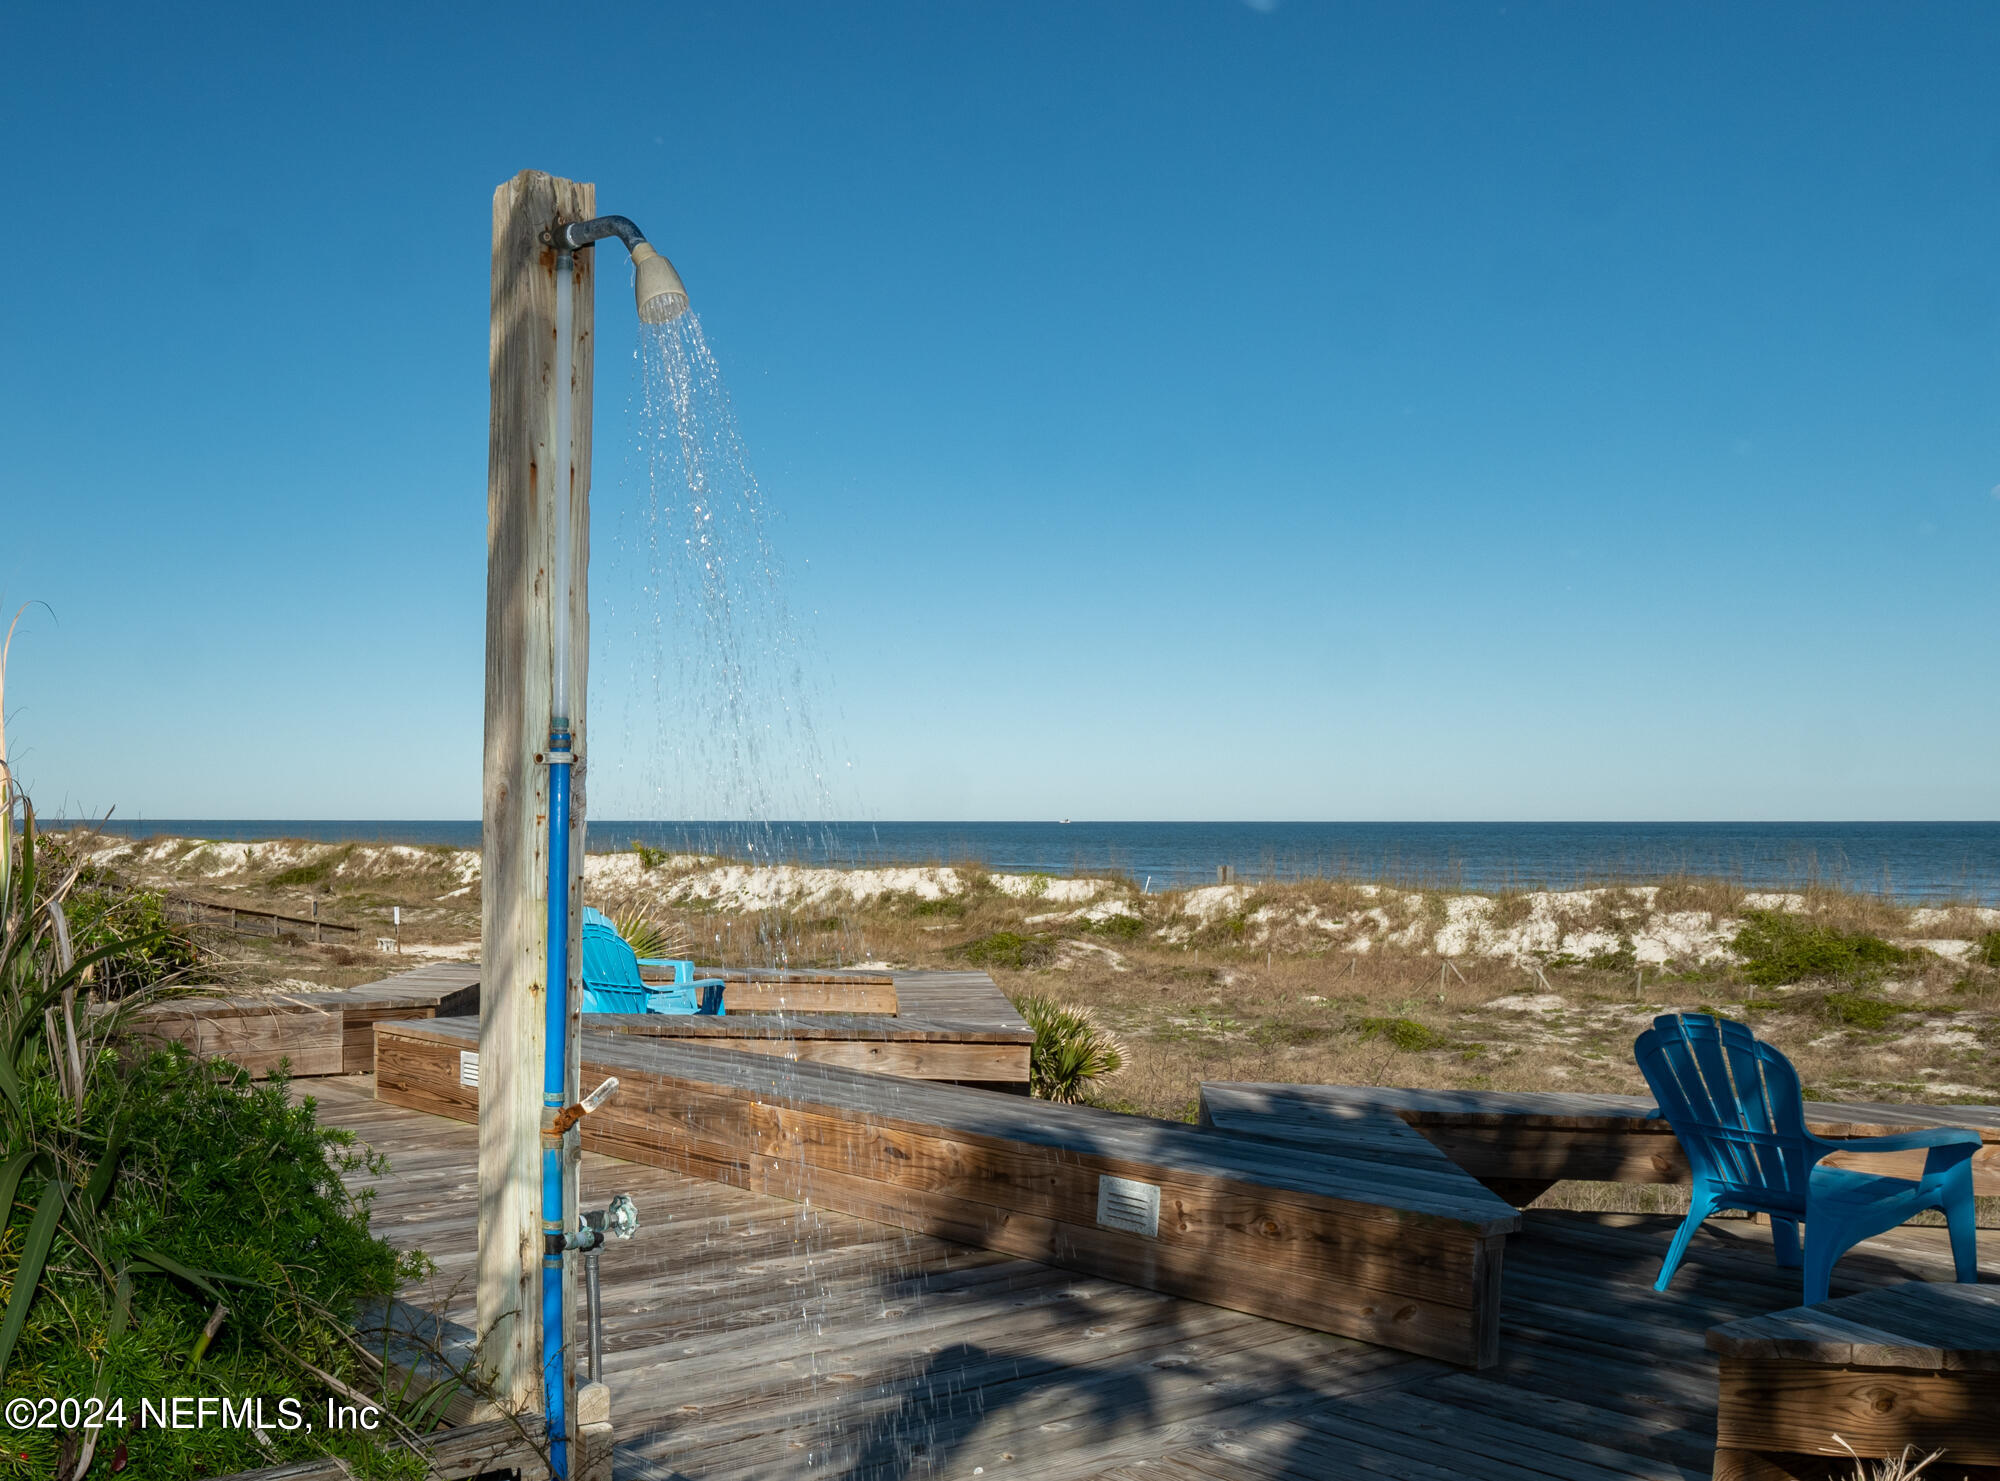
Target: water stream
(714, 699)
(717, 697)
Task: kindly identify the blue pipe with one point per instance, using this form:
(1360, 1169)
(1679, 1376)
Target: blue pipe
(555, 1064)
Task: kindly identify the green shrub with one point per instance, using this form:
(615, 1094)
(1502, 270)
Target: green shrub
(1072, 1052)
(650, 858)
(151, 950)
(1778, 948)
(1009, 949)
(946, 905)
(166, 1226)
(1279, 1033)
(316, 872)
(1404, 1033)
(1859, 1010)
(1987, 951)
(1120, 927)
(1622, 959)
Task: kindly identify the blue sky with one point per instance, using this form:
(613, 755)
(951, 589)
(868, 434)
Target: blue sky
(1171, 410)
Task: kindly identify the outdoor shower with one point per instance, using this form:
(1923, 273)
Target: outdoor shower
(660, 298)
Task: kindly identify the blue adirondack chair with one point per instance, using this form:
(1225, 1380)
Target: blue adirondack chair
(612, 982)
(1735, 1105)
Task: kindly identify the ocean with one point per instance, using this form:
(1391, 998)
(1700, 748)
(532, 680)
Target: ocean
(1911, 861)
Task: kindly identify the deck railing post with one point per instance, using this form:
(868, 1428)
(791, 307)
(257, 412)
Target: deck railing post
(520, 551)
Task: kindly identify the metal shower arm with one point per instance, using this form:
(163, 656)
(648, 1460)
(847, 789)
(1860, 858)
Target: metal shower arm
(579, 234)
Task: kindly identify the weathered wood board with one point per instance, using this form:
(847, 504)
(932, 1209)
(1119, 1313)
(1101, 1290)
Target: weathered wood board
(968, 1032)
(315, 1033)
(900, 1047)
(260, 1034)
(751, 990)
(1914, 1365)
(950, 1026)
(1405, 1256)
(1530, 1138)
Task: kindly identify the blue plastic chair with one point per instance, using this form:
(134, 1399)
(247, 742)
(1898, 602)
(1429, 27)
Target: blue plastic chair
(612, 982)
(1734, 1103)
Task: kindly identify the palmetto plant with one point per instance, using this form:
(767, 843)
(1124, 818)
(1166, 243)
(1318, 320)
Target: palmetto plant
(652, 938)
(1072, 1050)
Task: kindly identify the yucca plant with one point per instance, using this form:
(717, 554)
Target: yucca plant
(166, 1225)
(1072, 1051)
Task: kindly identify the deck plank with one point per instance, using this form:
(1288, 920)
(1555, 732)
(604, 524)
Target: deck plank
(913, 1357)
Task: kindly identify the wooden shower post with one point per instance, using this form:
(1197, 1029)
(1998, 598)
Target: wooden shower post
(520, 550)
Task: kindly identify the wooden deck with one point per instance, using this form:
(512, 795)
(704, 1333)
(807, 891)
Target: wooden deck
(750, 1338)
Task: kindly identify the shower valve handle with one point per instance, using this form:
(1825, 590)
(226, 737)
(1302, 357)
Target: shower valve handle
(568, 1116)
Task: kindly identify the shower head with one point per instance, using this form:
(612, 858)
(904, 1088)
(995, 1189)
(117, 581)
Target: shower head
(655, 285)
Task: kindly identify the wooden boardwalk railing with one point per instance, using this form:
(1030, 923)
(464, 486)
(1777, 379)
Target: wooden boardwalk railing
(218, 915)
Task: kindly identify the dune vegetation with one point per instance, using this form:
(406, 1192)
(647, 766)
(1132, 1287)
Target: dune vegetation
(1332, 980)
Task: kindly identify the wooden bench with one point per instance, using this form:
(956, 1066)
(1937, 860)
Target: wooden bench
(1913, 1365)
(1403, 1254)
(991, 1059)
(954, 1026)
(951, 1026)
(317, 1033)
(759, 990)
(1520, 1144)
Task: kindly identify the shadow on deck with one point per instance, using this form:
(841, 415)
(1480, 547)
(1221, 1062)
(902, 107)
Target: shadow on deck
(748, 1338)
